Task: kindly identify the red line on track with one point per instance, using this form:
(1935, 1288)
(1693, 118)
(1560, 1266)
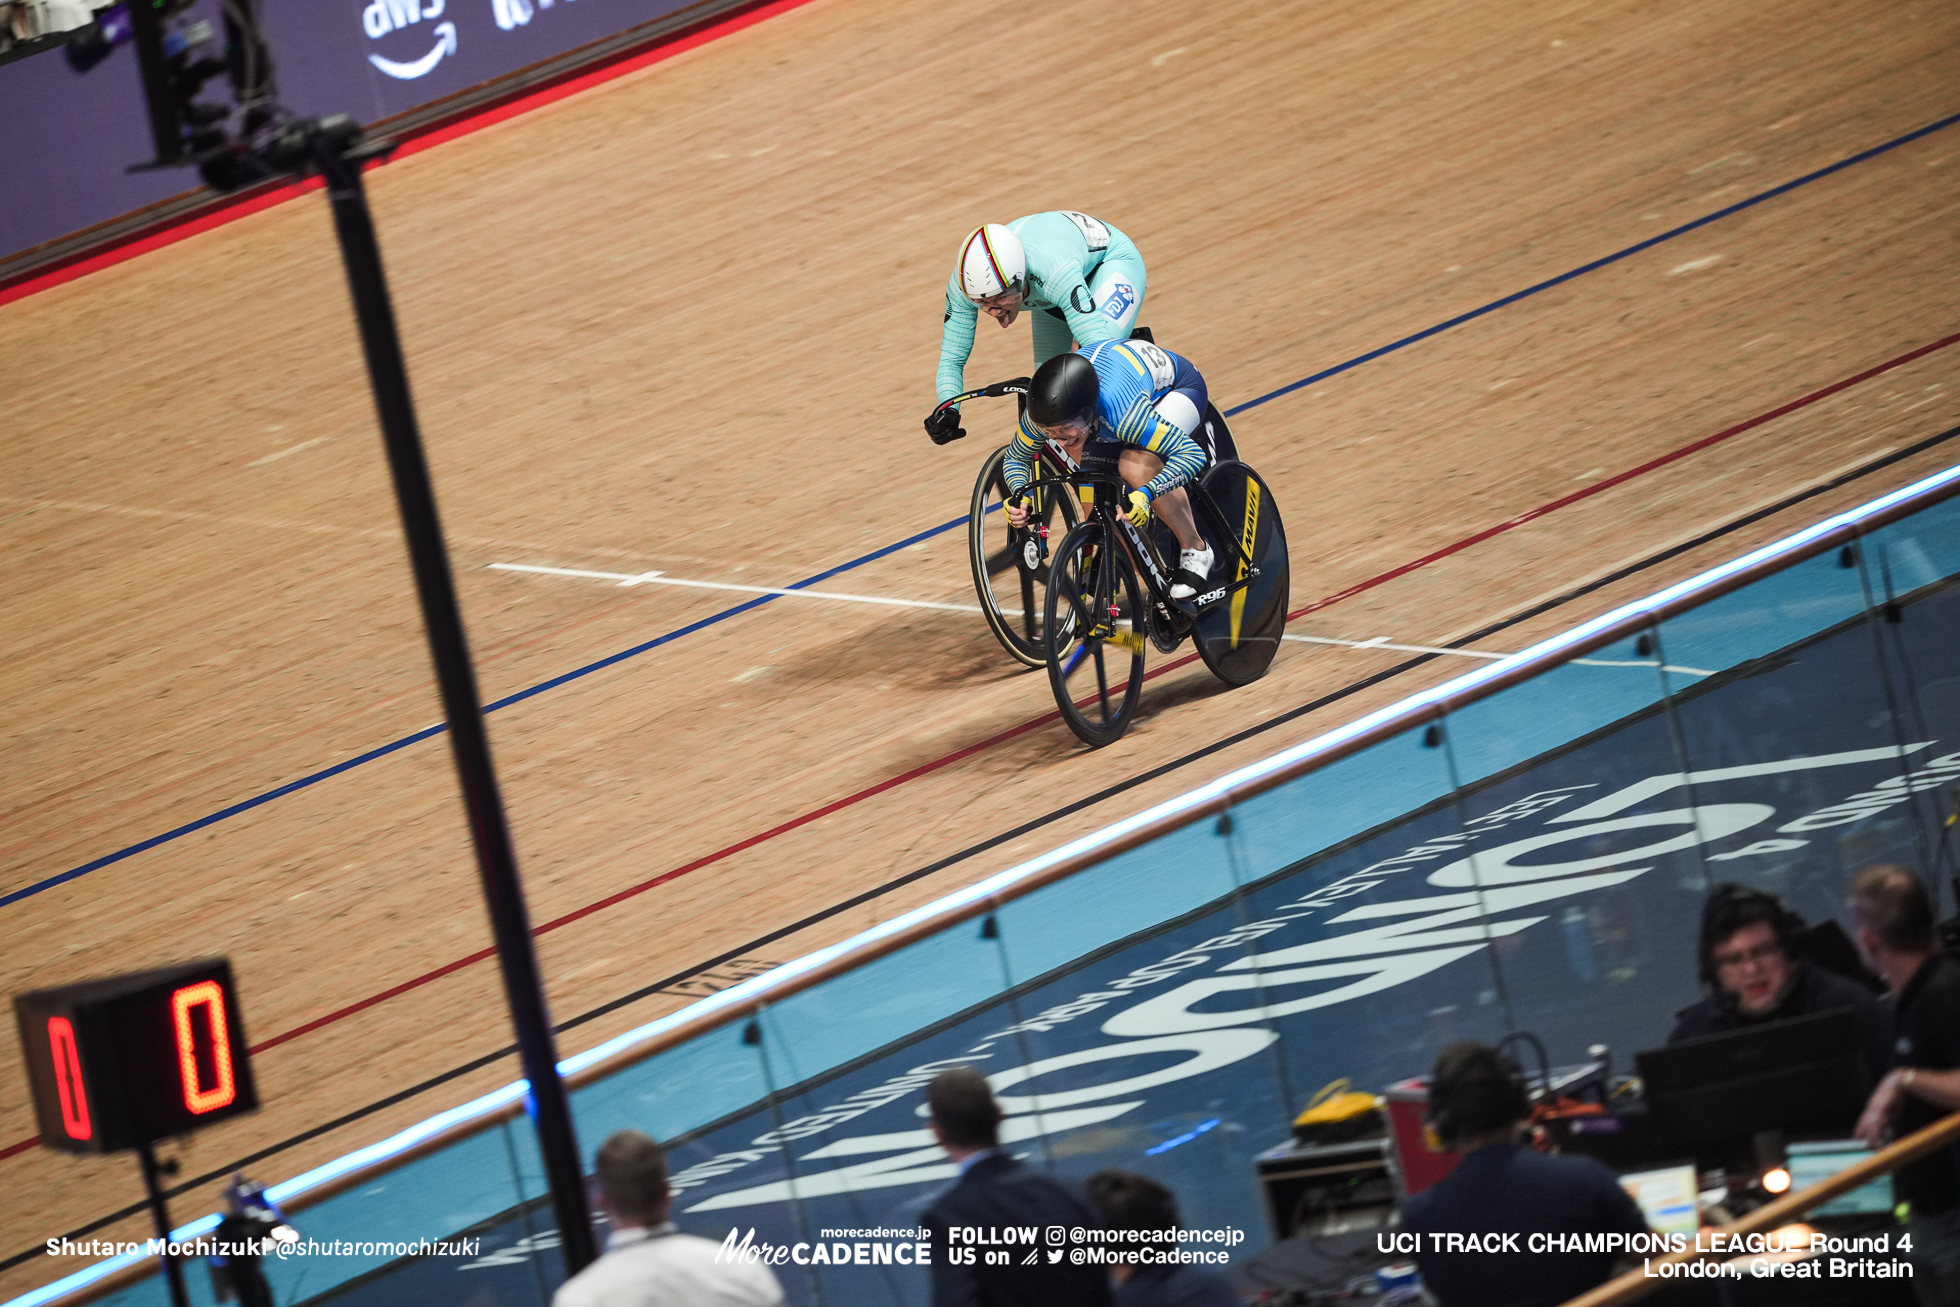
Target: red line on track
(632, 891)
(1033, 723)
(143, 243)
(1599, 487)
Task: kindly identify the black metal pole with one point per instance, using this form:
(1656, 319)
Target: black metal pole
(166, 128)
(173, 1270)
(495, 857)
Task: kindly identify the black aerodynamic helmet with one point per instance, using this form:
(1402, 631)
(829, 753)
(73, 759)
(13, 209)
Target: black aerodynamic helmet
(1063, 390)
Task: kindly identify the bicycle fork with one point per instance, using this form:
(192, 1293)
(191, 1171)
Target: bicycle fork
(1107, 611)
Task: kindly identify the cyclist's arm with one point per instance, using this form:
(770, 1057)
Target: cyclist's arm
(955, 341)
(1023, 455)
(1143, 426)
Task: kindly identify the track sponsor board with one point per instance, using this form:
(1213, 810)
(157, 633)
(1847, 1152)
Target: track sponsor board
(75, 135)
(1561, 896)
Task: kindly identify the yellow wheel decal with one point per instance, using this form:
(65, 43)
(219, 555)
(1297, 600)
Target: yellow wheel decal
(1245, 542)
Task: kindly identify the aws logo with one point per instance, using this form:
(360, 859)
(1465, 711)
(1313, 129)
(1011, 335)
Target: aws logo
(384, 16)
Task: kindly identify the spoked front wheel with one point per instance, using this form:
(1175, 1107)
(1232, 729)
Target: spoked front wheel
(1010, 566)
(1094, 616)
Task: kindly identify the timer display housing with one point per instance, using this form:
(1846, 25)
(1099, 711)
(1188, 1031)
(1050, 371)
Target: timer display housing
(128, 1060)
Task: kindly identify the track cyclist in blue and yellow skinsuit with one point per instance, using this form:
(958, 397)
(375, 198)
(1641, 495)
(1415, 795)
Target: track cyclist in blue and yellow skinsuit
(1131, 408)
(1081, 280)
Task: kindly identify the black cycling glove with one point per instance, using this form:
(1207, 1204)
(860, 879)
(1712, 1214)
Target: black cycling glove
(944, 426)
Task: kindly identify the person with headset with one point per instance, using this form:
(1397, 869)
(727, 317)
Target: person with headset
(1748, 958)
(1478, 1106)
(1080, 279)
(1124, 408)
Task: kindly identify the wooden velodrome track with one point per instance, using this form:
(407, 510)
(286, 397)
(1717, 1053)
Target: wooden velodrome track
(687, 323)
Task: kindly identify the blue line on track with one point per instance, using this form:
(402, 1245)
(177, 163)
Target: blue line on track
(433, 731)
(1597, 264)
(757, 602)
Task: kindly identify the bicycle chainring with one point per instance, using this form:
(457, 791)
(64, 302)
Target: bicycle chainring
(1162, 627)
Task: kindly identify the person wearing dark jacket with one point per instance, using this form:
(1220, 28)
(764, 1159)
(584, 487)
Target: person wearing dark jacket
(1897, 939)
(1160, 1277)
(1478, 1107)
(1747, 956)
(993, 1195)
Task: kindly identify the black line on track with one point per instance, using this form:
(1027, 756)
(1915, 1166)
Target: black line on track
(1067, 810)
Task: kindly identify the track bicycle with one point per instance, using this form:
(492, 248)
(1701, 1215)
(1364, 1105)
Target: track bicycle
(1011, 564)
(1108, 594)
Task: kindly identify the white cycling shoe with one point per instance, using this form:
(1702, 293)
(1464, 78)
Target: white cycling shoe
(1193, 566)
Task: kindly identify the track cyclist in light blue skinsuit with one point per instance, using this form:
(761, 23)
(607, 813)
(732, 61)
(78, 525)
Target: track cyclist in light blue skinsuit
(1081, 280)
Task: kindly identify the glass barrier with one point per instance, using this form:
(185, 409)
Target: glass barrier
(1536, 860)
(463, 1191)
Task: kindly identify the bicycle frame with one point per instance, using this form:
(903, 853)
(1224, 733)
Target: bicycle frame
(1108, 492)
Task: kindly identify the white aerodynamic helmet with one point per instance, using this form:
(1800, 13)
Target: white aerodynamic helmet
(992, 262)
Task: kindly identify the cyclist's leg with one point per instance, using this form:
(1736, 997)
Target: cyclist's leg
(1185, 410)
(1118, 286)
(1184, 407)
(1051, 335)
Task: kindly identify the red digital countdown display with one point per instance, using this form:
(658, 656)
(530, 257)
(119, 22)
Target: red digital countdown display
(131, 1059)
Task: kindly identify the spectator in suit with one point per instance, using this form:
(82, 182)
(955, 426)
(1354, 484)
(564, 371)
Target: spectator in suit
(995, 1192)
(1159, 1279)
(647, 1262)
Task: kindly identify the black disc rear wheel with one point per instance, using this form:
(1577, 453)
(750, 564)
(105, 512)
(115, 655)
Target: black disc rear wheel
(1239, 635)
(1094, 613)
(1010, 566)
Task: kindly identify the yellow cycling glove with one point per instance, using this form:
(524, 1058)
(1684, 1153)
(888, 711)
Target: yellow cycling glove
(1139, 512)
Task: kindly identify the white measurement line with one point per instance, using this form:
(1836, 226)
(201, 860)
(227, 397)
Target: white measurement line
(657, 578)
(1637, 662)
(625, 579)
(290, 449)
(1382, 642)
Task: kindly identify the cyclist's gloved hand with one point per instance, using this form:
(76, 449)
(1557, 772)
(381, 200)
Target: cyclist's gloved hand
(1139, 510)
(944, 426)
(1017, 510)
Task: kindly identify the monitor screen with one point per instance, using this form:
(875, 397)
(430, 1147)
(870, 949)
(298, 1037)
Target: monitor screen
(1804, 1075)
(1810, 1163)
(1666, 1197)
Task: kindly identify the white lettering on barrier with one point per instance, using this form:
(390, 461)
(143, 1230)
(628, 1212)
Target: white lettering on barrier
(1496, 867)
(1172, 1011)
(1449, 927)
(1209, 1050)
(1887, 793)
(1641, 791)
